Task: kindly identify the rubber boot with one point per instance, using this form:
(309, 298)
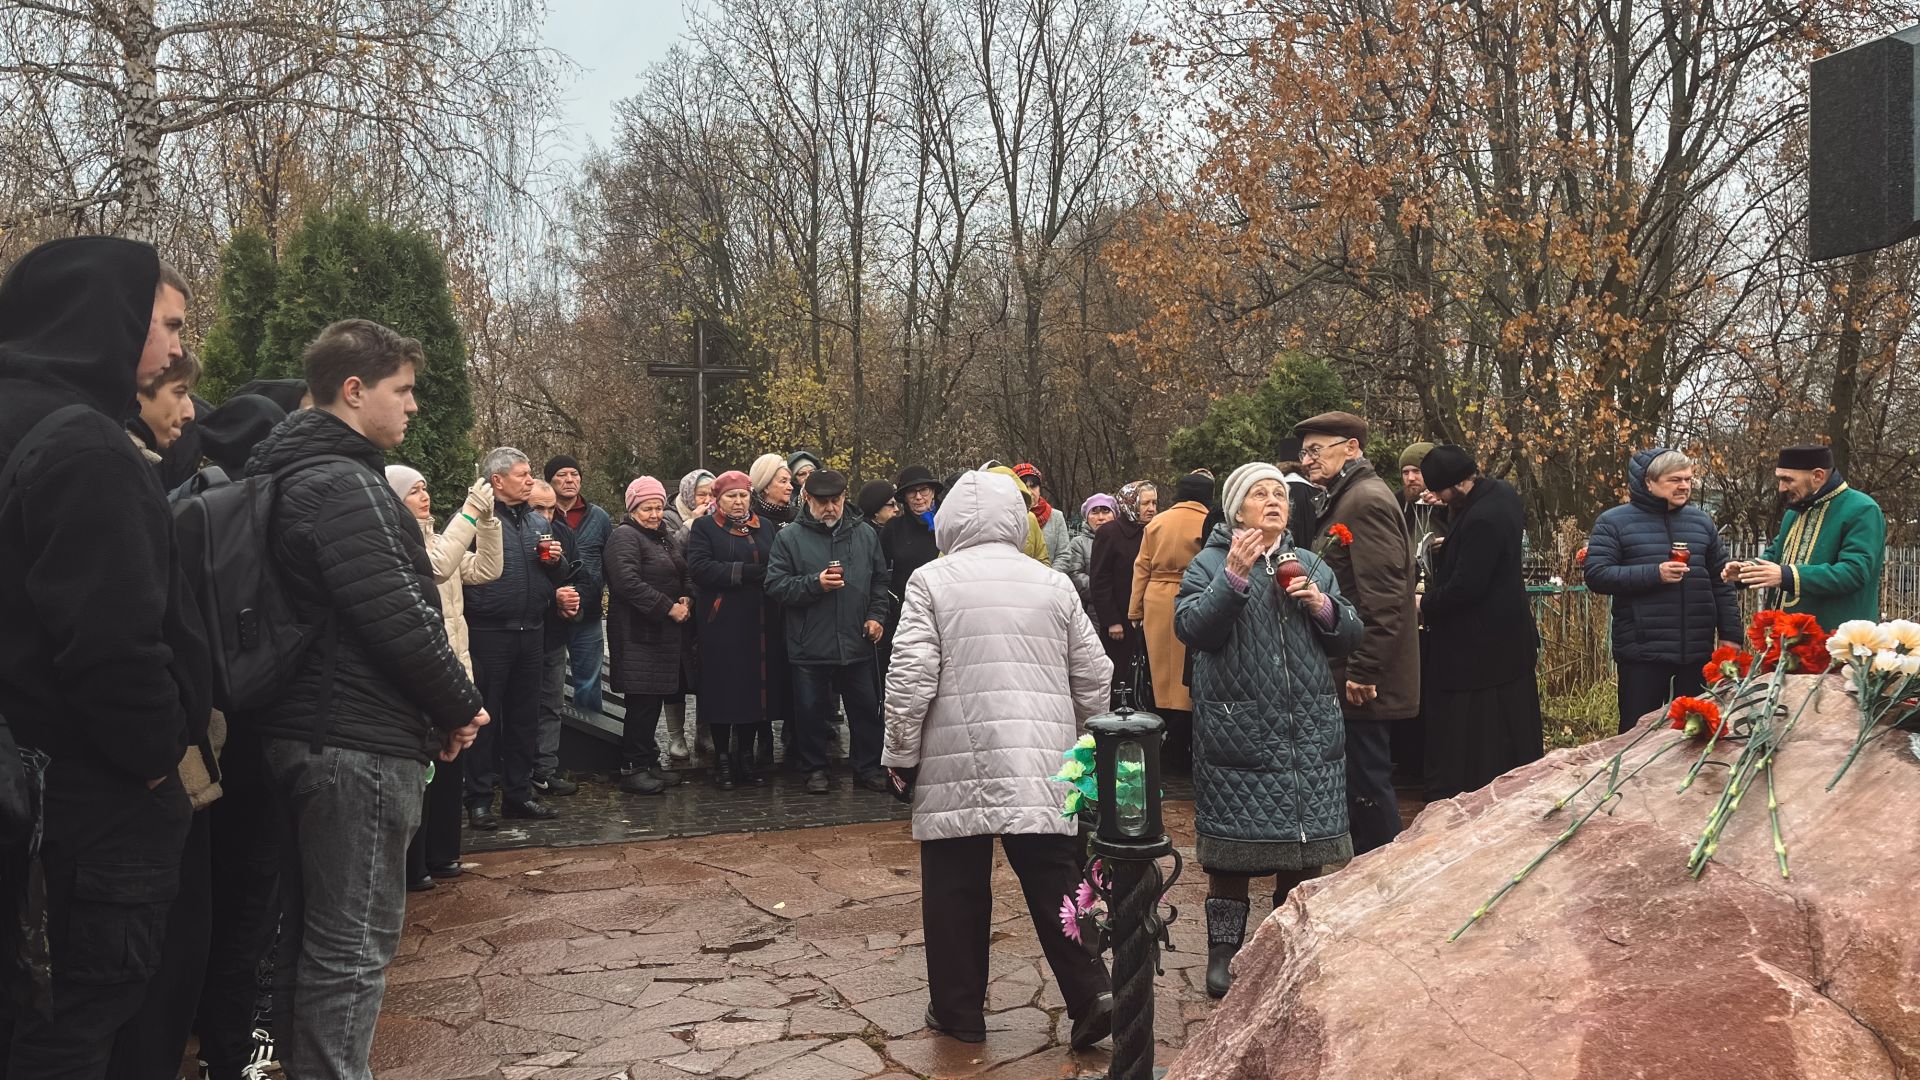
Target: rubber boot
(677, 732)
(1226, 928)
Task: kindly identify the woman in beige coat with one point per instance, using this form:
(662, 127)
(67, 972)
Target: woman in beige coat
(995, 668)
(435, 851)
(1172, 539)
(466, 552)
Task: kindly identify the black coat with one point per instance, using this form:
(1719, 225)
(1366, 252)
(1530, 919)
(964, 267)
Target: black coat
(1476, 609)
(908, 545)
(1110, 571)
(345, 543)
(1654, 622)
(646, 576)
(101, 651)
(731, 609)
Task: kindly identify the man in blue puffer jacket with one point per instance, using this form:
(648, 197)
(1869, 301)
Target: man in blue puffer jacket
(1666, 612)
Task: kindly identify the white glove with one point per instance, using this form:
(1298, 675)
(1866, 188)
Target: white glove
(480, 500)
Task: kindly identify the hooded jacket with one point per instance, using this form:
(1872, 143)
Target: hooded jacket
(828, 627)
(345, 543)
(1654, 622)
(101, 652)
(995, 668)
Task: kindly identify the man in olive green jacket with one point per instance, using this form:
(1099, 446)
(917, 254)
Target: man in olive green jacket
(1830, 553)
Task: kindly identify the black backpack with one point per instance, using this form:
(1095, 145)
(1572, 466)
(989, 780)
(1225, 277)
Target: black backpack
(254, 629)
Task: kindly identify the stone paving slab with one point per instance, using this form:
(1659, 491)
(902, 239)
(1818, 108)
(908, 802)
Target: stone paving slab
(790, 955)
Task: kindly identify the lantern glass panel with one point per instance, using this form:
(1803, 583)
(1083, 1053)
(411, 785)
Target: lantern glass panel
(1130, 787)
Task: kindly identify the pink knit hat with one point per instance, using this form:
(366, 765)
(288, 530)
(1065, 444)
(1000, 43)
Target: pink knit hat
(643, 489)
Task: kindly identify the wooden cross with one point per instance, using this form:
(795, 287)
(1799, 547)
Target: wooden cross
(700, 370)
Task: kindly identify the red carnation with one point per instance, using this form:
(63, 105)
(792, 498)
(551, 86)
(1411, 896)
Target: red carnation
(1341, 533)
(1727, 662)
(1695, 716)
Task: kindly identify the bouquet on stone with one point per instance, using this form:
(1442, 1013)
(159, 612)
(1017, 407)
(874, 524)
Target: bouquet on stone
(1742, 703)
(1881, 662)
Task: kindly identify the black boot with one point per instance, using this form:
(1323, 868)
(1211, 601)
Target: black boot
(1226, 928)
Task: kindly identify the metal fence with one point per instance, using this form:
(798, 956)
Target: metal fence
(1576, 644)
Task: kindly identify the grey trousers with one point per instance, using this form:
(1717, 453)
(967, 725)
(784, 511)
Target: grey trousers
(553, 695)
(343, 887)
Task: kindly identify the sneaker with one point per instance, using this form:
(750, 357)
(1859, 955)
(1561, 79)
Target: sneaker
(677, 748)
(557, 786)
(818, 782)
(532, 808)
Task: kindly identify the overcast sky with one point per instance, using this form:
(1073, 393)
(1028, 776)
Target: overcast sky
(612, 41)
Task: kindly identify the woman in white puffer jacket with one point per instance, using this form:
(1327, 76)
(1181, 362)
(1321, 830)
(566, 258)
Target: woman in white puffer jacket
(995, 667)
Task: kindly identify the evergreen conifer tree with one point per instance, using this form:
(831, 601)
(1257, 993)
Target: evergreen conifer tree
(231, 354)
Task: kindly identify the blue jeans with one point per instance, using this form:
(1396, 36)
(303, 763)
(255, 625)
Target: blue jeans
(343, 886)
(814, 686)
(586, 648)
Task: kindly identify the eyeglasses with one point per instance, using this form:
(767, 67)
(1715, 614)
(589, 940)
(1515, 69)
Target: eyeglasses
(1312, 453)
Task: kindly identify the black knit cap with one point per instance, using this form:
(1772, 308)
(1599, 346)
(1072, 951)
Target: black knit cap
(1194, 487)
(874, 494)
(1446, 465)
(558, 462)
(1288, 450)
(1806, 458)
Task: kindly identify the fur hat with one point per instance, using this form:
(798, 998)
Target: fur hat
(1446, 465)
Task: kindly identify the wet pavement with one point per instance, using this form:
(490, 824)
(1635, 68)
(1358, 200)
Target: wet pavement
(789, 955)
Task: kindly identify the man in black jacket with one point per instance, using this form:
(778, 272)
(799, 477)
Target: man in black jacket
(378, 695)
(507, 622)
(103, 666)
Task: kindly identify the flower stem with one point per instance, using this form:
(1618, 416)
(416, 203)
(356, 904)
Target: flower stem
(1612, 793)
(1773, 812)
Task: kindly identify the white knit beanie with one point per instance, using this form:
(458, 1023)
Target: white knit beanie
(765, 468)
(402, 478)
(1241, 481)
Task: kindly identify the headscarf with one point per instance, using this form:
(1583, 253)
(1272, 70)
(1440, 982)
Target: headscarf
(1041, 509)
(642, 489)
(1129, 502)
(689, 487)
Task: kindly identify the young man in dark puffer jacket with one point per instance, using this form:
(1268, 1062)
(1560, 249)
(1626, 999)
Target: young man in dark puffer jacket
(377, 697)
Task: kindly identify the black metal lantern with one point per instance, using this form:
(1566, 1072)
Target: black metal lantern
(1127, 773)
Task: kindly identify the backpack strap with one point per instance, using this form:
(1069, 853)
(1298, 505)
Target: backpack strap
(328, 629)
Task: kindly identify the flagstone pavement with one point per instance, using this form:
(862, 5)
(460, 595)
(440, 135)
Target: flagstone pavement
(792, 955)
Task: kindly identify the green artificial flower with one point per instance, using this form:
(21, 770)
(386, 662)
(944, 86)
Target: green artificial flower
(1071, 771)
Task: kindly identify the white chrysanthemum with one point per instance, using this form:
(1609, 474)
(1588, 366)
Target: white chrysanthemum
(1886, 661)
(1904, 633)
(1858, 637)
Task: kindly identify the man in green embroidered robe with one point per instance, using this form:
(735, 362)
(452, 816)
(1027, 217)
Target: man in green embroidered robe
(1832, 547)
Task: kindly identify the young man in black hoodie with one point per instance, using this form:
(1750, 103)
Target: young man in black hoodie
(378, 695)
(103, 665)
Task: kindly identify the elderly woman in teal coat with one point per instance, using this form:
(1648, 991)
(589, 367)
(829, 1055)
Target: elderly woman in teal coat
(1269, 744)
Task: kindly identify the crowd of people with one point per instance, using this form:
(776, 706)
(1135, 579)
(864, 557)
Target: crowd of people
(1302, 625)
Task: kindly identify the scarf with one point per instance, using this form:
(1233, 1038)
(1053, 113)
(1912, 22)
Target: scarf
(927, 518)
(736, 526)
(1041, 511)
